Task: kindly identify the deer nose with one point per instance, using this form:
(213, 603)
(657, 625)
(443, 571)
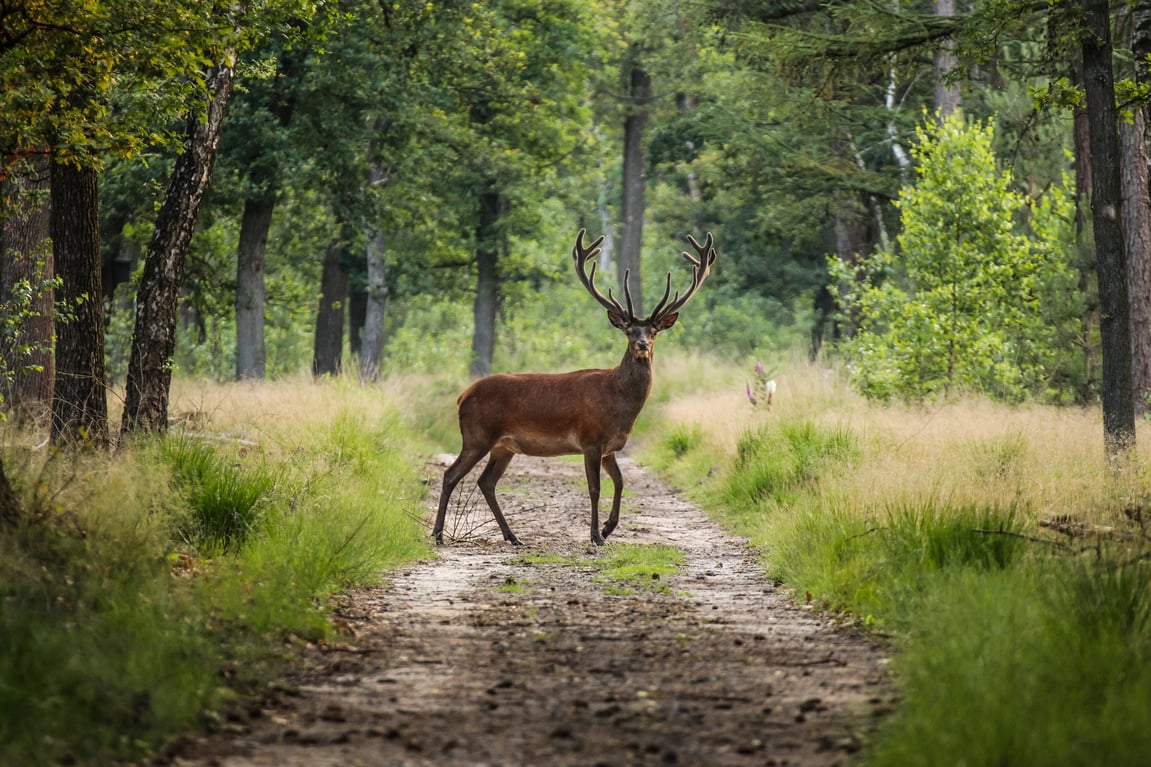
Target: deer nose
(642, 345)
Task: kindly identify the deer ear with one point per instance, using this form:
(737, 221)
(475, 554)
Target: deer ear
(667, 321)
(617, 319)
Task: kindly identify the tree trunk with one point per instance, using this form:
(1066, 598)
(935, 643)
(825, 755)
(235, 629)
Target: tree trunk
(1110, 260)
(1139, 259)
(487, 285)
(327, 357)
(357, 308)
(1089, 319)
(372, 346)
(157, 300)
(633, 205)
(1136, 217)
(26, 256)
(11, 510)
(250, 290)
(947, 99)
(79, 402)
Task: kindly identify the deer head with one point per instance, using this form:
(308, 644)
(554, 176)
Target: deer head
(641, 332)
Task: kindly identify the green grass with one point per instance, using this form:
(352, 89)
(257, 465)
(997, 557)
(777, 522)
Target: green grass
(623, 568)
(150, 589)
(627, 568)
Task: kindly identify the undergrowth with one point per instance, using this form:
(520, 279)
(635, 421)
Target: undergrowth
(146, 591)
(1012, 644)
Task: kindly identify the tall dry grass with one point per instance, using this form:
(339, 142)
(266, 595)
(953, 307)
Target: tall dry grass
(1013, 643)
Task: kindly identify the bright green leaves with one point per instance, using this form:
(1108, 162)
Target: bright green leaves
(970, 301)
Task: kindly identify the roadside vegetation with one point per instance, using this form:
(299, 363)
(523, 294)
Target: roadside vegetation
(994, 545)
(147, 593)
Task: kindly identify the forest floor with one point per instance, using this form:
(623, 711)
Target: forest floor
(491, 654)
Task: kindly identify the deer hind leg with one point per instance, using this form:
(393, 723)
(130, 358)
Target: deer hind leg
(612, 469)
(468, 458)
(591, 462)
(497, 464)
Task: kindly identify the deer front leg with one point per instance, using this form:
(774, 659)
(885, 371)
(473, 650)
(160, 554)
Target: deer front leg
(452, 476)
(591, 462)
(612, 469)
(497, 464)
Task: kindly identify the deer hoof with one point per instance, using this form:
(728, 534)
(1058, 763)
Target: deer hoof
(597, 539)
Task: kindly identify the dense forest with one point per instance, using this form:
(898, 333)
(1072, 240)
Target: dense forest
(952, 199)
(251, 251)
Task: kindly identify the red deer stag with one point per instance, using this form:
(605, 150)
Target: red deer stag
(586, 412)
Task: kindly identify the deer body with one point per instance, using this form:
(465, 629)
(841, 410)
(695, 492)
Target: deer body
(585, 412)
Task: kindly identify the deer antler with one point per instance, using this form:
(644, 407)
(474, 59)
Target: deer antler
(582, 255)
(700, 268)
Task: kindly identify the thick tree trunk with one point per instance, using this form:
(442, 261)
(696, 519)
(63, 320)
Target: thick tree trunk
(250, 289)
(634, 205)
(1111, 263)
(1136, 217)
(487, 285)
(1139, 258)
(26, 256)
(79, 402)
(372, 346)
(157, 301)
(327, 357)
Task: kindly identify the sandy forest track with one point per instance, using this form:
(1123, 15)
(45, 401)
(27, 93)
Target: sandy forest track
(487, 655)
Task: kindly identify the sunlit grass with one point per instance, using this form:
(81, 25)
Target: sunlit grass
(1013, 644)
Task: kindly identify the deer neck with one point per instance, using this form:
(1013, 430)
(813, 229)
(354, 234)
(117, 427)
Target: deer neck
(634, 378)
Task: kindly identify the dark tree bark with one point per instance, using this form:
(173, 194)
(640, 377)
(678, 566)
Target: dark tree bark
(1136, 152)
(250, 288)
(357, 308)
(79, 402)
(1136, 217)
(26, 255)
(157, 301)
(487, 284)
(11, 510)
(1110, 259)
(634, 204)
(327, 357)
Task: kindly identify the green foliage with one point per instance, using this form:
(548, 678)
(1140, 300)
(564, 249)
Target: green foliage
(968, 303)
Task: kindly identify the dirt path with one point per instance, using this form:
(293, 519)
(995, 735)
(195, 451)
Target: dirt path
(497, 655)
